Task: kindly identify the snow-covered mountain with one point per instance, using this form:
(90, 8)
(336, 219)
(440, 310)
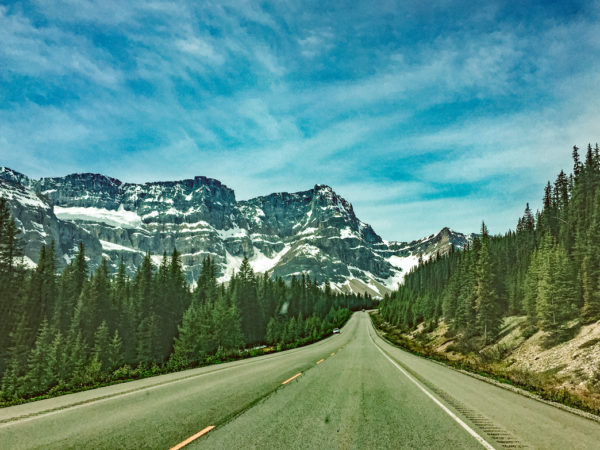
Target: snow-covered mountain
(314, 232)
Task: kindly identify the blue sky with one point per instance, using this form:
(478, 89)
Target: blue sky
(422, 114)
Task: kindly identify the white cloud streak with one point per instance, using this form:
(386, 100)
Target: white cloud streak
(225, 89)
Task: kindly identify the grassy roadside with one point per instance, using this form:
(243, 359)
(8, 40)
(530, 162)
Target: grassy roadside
(126, 373)
(543, 385)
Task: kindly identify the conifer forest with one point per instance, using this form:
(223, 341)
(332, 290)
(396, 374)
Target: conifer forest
(548, 270)
(73, 330)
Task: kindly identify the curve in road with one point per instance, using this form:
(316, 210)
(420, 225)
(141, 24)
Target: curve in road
(352, 390)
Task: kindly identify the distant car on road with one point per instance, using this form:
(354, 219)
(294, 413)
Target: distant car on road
(336, 331)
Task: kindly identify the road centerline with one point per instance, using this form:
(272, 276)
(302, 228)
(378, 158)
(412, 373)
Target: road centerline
(193, 438)
(292, 378)
(19, 419)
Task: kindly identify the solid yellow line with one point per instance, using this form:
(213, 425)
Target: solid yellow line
(192, 438)
(320, 361)
(292, 378)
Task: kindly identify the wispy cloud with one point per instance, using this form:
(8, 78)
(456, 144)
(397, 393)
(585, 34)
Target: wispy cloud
(422, 117)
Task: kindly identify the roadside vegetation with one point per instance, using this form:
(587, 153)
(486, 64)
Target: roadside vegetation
(546, 272)
(73, 331)
(496, 362)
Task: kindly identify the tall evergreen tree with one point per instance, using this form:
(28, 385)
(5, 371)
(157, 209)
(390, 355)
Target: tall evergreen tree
(246, 301)
(37, 378)
(488, 315)
(12, 278)
(555, 292)
(102, 350)
(591, 266)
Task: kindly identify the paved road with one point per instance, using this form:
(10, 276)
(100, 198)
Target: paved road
(364, 393)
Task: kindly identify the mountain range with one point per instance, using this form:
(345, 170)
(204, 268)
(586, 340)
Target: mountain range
(313, 232)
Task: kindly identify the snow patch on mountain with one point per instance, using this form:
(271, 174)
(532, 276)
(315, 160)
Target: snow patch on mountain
(25, 197)
(261, 263)
(346, 233)
(232, 233)
(405, 263)
(313, 232)
(117, 218)
(232, 265)
(28, 262)
(111, 246)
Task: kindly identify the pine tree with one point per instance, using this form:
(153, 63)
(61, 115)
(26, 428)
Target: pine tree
(37, 378)
(576, 162)
(147, 341)
(450, 298)
(95, 302)
(77, 357)
(292, 330)
(273, 331)
(56, 367)
(246, 299)
(188, 349)
(528, 220)
(227, 325)
(173, 303)
(102, 351)
(467, 297)
(146, 320)
(556, 301)
(144, 287)
(125, 313)
(531, 289)
(42, 292)
(115, 352)
(207, 282)
(11, 280)
(70, 285)
(13, 381)
(591, 266)
(488, 316)
(10, 241)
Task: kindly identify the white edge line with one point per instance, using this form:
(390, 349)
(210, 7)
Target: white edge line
(469, 430)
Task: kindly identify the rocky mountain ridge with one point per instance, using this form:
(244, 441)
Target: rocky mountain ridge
(313, 232)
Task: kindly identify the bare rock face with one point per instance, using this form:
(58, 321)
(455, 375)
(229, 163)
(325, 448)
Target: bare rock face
(314, 232)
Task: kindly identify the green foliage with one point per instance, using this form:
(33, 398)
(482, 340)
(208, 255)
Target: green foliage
(69, 331)
(37, 378)
(488, 314)
(193, 334)
(12, 280)
(548, 269)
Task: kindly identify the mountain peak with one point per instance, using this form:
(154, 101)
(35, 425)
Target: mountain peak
(9, 174)
(193, 183)
(313, 232)
(330, 197)
(445, 230)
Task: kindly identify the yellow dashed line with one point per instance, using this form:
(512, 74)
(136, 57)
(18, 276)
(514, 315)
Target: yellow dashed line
(192, 438)
(292, 378)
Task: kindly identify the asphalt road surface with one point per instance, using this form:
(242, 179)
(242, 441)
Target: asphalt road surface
(351, 390)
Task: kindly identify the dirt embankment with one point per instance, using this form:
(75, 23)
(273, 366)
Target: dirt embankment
(568, 372)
